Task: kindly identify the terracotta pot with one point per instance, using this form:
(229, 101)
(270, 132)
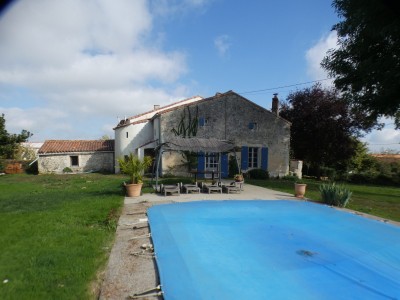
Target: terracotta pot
(133, 190)
(299, 190)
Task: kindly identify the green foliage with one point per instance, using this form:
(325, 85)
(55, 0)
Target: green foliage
(56, 233)
(134, 167)
(258, 174)
(9, 142)
(335, 195)
(328, 172)
(322, 127)
(233, 167)
(67, 170)
(366, 66)
(291, 178)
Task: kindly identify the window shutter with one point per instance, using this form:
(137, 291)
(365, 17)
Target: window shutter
(264, 158)
(245, 158)
(200, 164)
(224, 165)
(251, 125)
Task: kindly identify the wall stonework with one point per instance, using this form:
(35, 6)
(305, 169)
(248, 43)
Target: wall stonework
(228, 118)
(95, 161)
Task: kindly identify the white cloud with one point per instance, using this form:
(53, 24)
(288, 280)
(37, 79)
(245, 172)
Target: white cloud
(222, 43)
(83, 59)
(316, 53)
(387, 138)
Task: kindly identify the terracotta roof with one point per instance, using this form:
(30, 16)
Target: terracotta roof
(144, 117)
(65, 146)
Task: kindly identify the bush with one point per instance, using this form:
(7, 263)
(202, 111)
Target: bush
(233, 167)
(258, 174)
(67, 170)
(328, 172)
(290, 178)
(335, 195)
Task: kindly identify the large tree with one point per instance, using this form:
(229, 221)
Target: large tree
(323, 128)
(366, 65)
(9, 142)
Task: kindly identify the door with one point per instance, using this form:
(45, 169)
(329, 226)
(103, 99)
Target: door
(211, 165)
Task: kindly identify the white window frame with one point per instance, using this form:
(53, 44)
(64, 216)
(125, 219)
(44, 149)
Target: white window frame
(253, 161)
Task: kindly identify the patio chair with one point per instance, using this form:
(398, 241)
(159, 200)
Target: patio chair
(190, 188)
(212, 188)
(232, 188)
(171, 188)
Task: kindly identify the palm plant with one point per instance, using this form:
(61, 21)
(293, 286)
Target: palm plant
(134, 167)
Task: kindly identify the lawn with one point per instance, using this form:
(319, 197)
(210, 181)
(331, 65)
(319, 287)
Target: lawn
(375, 200)
(56, 233)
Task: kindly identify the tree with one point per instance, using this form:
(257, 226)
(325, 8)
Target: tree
(366, 66)
(9, 142)
(323, 128)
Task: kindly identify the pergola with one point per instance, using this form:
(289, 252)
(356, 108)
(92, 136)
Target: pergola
(193, 145)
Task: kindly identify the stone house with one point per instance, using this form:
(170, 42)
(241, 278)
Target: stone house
(78, 155)
(260, 135)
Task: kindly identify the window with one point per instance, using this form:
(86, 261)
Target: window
(127, 134)
(203, 121)
(74, 161)
(253, 157)
(253, 126)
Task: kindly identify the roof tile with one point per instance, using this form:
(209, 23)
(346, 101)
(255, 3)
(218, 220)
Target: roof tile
(65, 146)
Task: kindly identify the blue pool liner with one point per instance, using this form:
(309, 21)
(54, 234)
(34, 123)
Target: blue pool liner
(273, 250)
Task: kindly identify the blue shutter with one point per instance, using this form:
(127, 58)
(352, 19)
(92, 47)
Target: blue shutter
(251, 125)
(201, 121)
(264, 158)
(224, 165)
(245, 158)
(201, 164)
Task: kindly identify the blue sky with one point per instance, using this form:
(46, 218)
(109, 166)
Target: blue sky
(69, 69)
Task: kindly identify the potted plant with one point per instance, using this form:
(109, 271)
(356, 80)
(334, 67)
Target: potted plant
(238, 177)
(134, 167)
(299, 188)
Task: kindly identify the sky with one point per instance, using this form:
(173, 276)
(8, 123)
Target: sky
(70, 69)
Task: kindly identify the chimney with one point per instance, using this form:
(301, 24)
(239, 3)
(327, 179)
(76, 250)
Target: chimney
(275, 104)
(156, 106)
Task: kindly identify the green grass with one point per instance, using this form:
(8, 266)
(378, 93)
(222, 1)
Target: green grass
(380, 201)
(56, 232)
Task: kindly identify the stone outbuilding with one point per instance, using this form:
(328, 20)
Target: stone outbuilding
(261, 136)
(79, 156)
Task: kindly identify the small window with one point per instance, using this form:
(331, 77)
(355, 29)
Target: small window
(203, 121)
(253, 126)
(127, 134)
(74, 161)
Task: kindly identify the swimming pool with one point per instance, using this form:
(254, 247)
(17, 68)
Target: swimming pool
(273, 250)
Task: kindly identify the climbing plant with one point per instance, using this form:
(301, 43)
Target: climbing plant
(188, 125)
(187, 128)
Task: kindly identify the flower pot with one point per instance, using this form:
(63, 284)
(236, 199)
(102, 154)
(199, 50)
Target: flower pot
(133, 189)
(299, 190)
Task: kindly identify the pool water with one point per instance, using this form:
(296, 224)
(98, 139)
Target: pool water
(273, 250)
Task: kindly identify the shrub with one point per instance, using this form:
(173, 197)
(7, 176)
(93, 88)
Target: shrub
(335, 195)
(328, 172)
(290, 178)
(67, 170)
(258, 174)
(233, 167)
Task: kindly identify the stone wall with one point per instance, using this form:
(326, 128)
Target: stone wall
(228, 117)
(95, 161)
